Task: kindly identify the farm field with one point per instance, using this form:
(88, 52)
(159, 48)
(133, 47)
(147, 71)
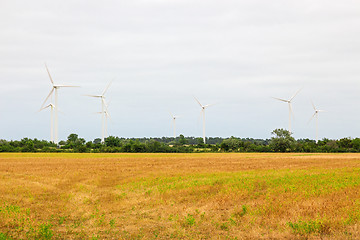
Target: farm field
(179, 196)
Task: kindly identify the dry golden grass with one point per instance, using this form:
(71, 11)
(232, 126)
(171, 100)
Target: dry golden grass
(180, 196)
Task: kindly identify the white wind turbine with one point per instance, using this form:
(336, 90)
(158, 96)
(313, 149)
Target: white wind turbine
(51, 106)
(174, 117)
(104, 112)
(290, 107)
(203, 107)
(316, 115)
(55, 88)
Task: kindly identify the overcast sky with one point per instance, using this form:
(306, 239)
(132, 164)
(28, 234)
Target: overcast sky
(161, 53)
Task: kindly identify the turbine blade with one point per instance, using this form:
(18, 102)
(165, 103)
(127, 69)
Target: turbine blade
(61, 112)
(107, 87)
(103, 100)
(109, 102)
(59, 86)
(283, 100)
(198, 101)
(295, 94)
(95, 96)
(209, 105)
(44, 107)
(107, 114)
(49, 75)
(105, 105)
(312, 117)
(313, 105)
(52, 90)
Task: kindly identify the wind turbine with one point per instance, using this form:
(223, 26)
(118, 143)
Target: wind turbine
(51, 106)
(290, 107)
(316, 115)
(174, 117)
(55, 88)
(104, 112)
(203, 107)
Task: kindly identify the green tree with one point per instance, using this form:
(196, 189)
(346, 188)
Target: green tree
(28, 145)
(75, 143)
(225, 146)
(231, 144)
(112, 141)
(153, 146)
(356, 144)
(200, 142)
(72, 138)
(89, 145)
(282, 141)
(345, 143)
(182, 140)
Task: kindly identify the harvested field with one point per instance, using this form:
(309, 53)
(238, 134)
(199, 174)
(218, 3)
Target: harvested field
(180, 196)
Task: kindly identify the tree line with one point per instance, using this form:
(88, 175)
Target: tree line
(281, 141)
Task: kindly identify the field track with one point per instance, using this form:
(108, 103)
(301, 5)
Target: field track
(179, 196)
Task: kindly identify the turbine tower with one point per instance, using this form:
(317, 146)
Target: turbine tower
(290, 107)
(106, 115)
(174, 117)
(203, 107)
(51, 106)
(55, 89)
(316, 115)
(104, 112)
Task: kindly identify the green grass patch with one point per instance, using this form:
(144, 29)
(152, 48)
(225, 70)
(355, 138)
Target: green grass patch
(309, 227)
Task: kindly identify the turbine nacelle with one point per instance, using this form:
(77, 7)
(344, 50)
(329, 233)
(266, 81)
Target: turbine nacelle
(175, 117)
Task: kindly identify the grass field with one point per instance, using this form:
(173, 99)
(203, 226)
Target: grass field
(180, 196)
